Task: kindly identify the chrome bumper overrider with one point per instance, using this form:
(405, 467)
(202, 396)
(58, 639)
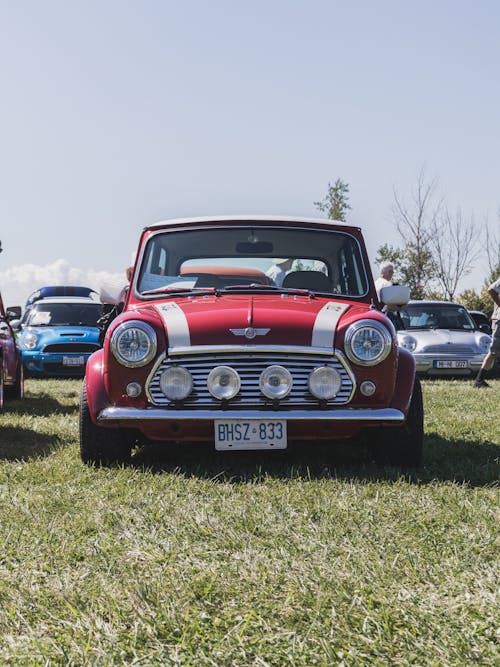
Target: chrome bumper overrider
(137, 414)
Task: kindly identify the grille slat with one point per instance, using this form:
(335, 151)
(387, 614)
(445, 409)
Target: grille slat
(71, 347)
(249, 367)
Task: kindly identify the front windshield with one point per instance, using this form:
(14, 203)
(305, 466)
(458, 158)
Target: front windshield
(436, 316)
(269, 258)
(58, 314)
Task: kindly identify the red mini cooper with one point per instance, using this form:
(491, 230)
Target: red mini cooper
(249, 333)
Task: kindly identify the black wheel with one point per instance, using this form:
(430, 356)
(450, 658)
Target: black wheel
(17, 389)
(98, 445)
(402, 446)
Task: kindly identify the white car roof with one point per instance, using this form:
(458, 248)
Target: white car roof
(67, 299)
(249, 219)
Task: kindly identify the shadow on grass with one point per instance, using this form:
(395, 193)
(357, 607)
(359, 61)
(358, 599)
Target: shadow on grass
(21, 444)
(473, 463)
(42, 405)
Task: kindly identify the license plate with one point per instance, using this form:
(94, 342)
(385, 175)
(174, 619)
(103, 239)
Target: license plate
(232, 434)
(73, 361)
(455, 363)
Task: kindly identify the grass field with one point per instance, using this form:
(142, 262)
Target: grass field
(313, 556)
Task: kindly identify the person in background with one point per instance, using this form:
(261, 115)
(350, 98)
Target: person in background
(385, 277)
(494, 351)
(279, 269)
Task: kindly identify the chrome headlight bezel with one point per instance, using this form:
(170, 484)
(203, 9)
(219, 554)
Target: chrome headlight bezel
(315, 383)
(125, 328)
(30, 340)
(484, 343)
(169, 388)
(380, 330)
(279, 392)
(214, 386)
(408, 342)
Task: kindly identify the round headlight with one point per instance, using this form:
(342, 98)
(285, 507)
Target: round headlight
(176, 383)
(30, 341)
(324, 382)
(367, 342)
(408, 342)
(133, 343)
(275, 382)
(484, 343)
(223, 382)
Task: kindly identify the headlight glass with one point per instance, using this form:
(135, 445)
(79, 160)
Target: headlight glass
(275, 382)
(367, 342)
(30, 341)
(324, 382)
(223, 382)
(176, 383)
(133, 343)
(484, 343)
(408, 342)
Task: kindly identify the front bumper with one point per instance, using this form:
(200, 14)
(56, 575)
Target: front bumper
(352, 415)
(54, 363)
(427, 364)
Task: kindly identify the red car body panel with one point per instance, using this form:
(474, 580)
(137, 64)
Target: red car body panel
(10, 352)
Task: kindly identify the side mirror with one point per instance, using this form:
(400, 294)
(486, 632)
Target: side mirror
(395, 295)
(15, 324)
(13, 313)
(485, 328)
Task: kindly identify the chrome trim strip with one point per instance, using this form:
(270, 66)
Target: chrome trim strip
(279, 349)
(147, 414)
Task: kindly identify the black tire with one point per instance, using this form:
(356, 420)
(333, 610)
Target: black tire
(1, 382)
(402, 446)
(17, 389)
(99, 445)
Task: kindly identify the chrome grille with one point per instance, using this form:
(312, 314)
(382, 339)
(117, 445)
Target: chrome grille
(250, 366)
(455, 350)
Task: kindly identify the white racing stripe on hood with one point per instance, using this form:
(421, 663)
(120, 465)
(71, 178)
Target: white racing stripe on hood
(176, 323)
(325, 324)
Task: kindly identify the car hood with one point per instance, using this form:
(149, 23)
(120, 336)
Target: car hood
(237, 319)
(430, 338)
(64, 333)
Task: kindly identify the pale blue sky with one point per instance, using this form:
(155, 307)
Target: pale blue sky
(115, 114)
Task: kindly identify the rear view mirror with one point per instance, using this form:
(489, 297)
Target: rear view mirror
(13, 313)
(395, 295)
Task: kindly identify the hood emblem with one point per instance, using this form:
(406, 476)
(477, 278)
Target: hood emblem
(249, 332)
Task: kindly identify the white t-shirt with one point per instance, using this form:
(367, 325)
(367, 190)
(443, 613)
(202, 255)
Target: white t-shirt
(276, 274)
(381, 282)
(495, 286)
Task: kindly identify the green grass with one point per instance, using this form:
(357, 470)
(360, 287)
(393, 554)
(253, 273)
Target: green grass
(313, 556)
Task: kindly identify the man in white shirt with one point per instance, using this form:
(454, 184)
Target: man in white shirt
(278, 270)
(494, 351)
(385, 277)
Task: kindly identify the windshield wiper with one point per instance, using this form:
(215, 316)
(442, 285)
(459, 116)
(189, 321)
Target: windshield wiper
(257, 287)
(180, 291)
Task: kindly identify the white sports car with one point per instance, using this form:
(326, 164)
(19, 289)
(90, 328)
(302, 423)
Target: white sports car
(443, 338)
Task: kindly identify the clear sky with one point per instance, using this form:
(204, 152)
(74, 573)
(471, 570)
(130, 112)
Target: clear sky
(118, 113)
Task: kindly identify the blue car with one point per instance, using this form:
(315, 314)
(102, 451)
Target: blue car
(59, 335)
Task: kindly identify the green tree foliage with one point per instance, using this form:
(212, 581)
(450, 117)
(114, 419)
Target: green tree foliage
(405, 261)
(336, 203)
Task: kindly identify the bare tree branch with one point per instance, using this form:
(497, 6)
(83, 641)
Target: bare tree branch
(455, 248)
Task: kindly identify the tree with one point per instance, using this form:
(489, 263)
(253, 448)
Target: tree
(414, 222)
(492, 247)
(454, 249)
(336, 202)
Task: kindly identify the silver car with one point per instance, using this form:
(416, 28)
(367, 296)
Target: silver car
(443, 338)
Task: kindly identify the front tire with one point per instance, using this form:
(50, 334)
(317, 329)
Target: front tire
(17, 389)
(402, 446)
(98, 445)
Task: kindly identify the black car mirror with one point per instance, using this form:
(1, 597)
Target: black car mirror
(13, 313)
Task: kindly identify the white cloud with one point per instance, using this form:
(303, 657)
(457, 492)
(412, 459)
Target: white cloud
(17, 282)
